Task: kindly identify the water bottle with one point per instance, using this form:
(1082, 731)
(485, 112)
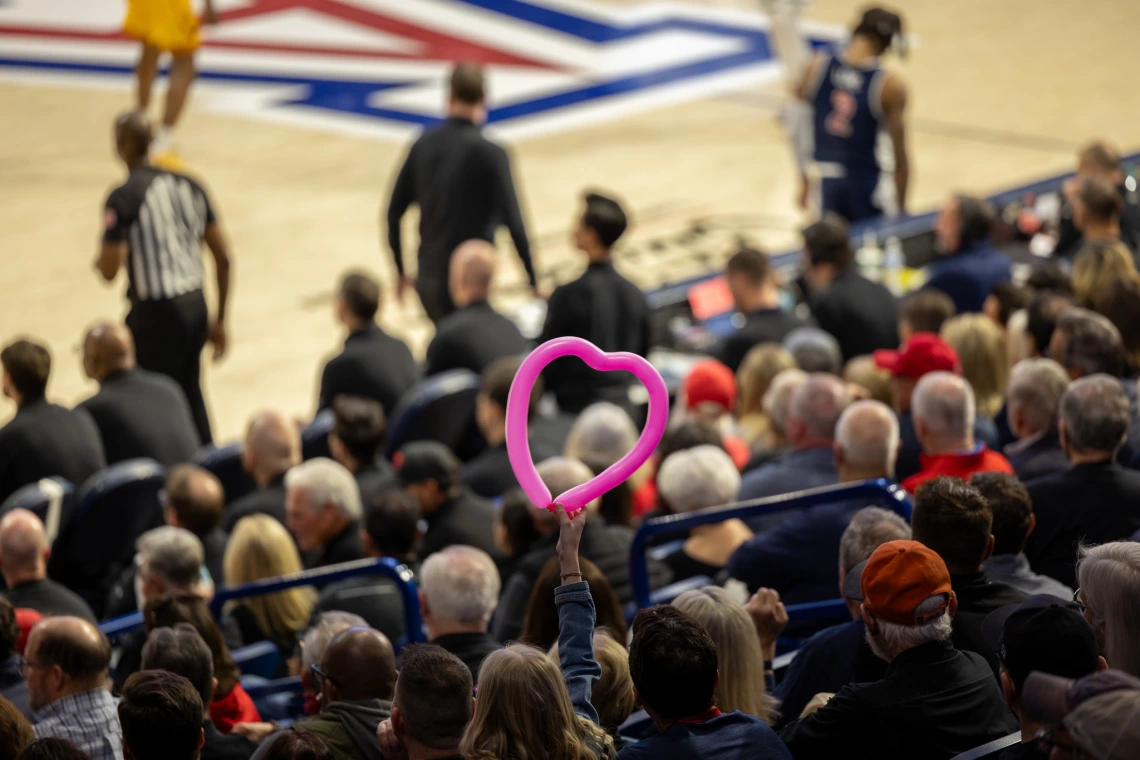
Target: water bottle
(893, 264)
(869, 257)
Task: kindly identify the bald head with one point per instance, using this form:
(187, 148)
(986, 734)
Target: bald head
(23, 547)
(272, 446)
(76, 648)
(194, 499)
(943, 409)
(866, 441)
(361, 664)
(108, 347)
(132, 135)
(472, 267)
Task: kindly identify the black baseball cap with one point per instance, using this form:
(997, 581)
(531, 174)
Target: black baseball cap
(1044, 633)
(427, 460)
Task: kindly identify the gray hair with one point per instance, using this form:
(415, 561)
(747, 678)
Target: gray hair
(174, 553)
(318, 636)
(181, 650)
(868, 435)
(603, 432)
(696, 478)
(1035, 389)
(1109, 578)
(1095, 412)
(1091, 343)
(777, 399)
(891, 639)
(326, 482)
(819, 402)
(945, 402)
(814, 350)
(870, 528)
(461, 584)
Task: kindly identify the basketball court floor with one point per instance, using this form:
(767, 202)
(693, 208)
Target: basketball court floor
(305, 108)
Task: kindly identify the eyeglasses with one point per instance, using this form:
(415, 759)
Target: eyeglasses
(26, 665)
(1077, 600)
(319, 676)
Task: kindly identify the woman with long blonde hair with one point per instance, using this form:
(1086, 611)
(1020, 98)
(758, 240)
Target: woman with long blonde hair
(259, 548)
(981, 348)
(739, 656)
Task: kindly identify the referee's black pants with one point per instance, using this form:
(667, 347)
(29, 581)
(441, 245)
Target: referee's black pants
(169, 338)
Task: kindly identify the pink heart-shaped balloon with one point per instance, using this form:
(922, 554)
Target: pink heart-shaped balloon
(518, 447)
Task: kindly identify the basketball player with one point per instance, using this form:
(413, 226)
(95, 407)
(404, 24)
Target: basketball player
(853, 100)
(165, 26)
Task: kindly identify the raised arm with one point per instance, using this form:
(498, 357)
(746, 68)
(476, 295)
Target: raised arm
(894, 112)
(575, 618)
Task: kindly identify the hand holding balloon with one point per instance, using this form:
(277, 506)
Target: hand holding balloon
(570, 529)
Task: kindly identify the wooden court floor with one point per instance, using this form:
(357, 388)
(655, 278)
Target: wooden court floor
(1001, 93)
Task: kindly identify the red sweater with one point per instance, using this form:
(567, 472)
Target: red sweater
(235, 707)
(959, 465)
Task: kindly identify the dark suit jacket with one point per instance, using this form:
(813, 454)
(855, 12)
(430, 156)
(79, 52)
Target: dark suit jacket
(472, 648)
(264, 501)
(143, 414)
(464, 519)
(44, 440)
(768, 326)
(1040, 458)
(472, 338)
(374, 365)
(343, 547)
(977, 598)
(1087, 503)
(862, 315)
(49, 598)
(968, 275)
(807, 468)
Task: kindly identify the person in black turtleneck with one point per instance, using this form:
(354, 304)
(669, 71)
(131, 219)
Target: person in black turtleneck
(475, 335)
(355, 442)
(462, 184)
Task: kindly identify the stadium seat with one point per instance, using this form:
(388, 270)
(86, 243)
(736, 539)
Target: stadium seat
(439, 408)
(667, 594)
(315, 436)
(51, 499)
(225, 463)
(990, 750)
(114, 507)
(258, 659)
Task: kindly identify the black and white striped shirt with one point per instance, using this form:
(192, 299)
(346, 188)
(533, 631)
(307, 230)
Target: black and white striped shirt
(163, 217)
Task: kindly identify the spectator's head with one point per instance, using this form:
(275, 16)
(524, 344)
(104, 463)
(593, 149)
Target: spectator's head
(168, 560)
(881, 28)
(1011, 507)
(777, 403)
(874, 381)
(358, 431)
(469, 276)
(921, 354)
(180, 650)
(1096, 209)
(23, 547)
(559, 475)
(1097, 716)
(952, 517)
(391, 525)
(1100, 159)
(15, 730)
(710, 390)
(491, 403)
(870, 528)
(540, 624)
(603, 432)
(299, 744)
(1041, 319)
(195, 499)
(943, 411)
(1085, 343)
(9, 629)
(321, 500)
(980, 345)
(161, 716)
(515, 532)
(814, 411)
(1004, 300)
(65, 656)
(1094, 419)
(814, 350)
(272, 446)
(108, 347)
(687, 434)
(1097, 266)
(1034, 397)
(429, 472)
(740, 660)
(924, 311)
(866, 442)
(752, 281)
(697, 478)
(358, 300)
(760, 366)
(52, 748)
(459, 590)
(433, 704)
(1049, 277)
(26, 369)
(260, 547)
(906, 596)
(467, 85)
(965, 221)
(357, 664)
(187, 608)
(826, 251)
(673, 664)
(602, 223)
(1120, 304)
(313, 643)
(1109, 580)
(132, 136)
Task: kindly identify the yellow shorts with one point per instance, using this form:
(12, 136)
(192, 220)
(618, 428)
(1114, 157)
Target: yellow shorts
(169, 25)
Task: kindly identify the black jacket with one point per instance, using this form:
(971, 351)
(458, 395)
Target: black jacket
(264, 501)
(860, 314)
(44, 440)
(464, 519)
(472, 648)
(49, 598)
(1088, 503)
(977, 598)
(375, 598)
(935, 702)
(490, 473)
(221, 746)
(374, 365)
(143, 414)
(343, 547)
(767, 326)
(1040, 458)
(472, 338)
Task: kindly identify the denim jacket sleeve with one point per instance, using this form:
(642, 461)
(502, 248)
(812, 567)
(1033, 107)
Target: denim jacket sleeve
(576, 645)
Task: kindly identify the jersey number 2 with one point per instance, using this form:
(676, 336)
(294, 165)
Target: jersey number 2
(843, 107)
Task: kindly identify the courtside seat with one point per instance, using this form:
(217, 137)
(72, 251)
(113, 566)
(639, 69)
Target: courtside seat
(439, 408)
(50, 499)
(225, 464)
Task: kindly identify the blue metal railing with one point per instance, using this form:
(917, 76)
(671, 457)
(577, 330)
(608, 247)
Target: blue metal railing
(883, 491)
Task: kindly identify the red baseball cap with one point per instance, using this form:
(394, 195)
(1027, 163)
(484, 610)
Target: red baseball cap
(922, 353)
(896, 579)
(710, 382)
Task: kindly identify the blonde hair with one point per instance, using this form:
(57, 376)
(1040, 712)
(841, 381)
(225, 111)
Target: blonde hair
(1109, 578)
(260, 547)
(1096, 267)
(762, 363)
(612, 696)
(523, 712)
(862, 371)
(981, 348)
(739, 658)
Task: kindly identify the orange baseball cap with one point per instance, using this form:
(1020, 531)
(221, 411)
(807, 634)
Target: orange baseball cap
(710, 382)
(896, 579)
(922, 353)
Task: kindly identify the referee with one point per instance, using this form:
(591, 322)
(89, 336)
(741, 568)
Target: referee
(154, 223)
(462, 183)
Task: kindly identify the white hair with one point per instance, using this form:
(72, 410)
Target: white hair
(603, 433)
(1035, 390)
(868, 435)
(319, 635)
(945, 403)
(777, 398)
(696, 478)
(326, 482)
(460, 584)
(176, 554)
(1109, 578)
(891, 639)
(818, 402)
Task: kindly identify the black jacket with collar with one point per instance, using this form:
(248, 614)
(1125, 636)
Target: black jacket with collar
(861, 315)
(374, 365)
(977, 598)
(44, 440)
(264, 501)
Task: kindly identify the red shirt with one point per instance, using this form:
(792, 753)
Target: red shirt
(959, 465)
(235, 707)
